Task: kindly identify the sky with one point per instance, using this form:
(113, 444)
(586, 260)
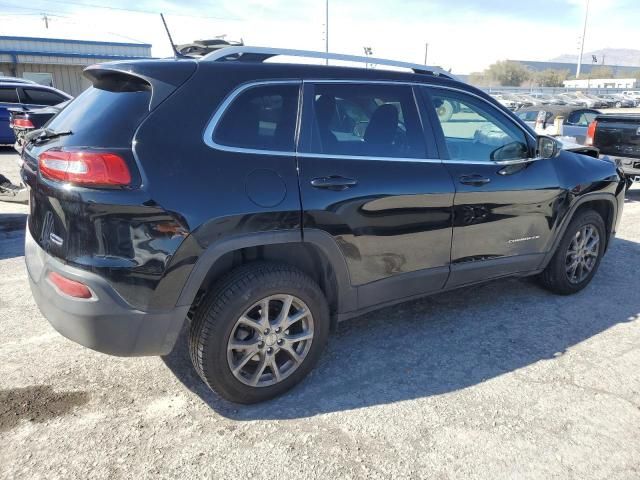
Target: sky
(464, 35)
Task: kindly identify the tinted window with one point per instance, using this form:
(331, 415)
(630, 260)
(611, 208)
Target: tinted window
(262, 117)
(8, 95)
(366, 120)
(42, 97)
(474, 131)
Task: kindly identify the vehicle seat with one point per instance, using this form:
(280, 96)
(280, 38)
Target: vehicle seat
(383, 126)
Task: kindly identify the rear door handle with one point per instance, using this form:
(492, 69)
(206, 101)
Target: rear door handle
(335, 183)
(474, 180)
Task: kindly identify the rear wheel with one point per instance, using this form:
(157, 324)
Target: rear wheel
(259, 332)
(578, 255)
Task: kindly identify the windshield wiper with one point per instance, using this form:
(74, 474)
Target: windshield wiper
(47, 134)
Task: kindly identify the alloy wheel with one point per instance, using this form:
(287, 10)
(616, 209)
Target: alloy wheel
(270, 340)
(582, 253)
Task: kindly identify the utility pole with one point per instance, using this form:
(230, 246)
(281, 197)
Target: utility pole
(584, 32)
(326, 32)
(426, 51)
(46, 20)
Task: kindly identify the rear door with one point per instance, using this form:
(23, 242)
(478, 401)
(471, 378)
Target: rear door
(8, 99)
(370, 178)
(504, 204)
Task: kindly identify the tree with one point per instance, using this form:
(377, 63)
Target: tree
(601, 72)
(479, 79)
(508, 73)
(551, 78)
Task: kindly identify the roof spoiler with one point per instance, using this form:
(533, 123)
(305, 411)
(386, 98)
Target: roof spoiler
(160, 77)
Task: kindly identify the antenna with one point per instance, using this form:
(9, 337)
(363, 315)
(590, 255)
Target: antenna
(176, 53)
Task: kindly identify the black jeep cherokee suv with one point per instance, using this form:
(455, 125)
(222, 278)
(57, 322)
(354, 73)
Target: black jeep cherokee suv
(262, 202)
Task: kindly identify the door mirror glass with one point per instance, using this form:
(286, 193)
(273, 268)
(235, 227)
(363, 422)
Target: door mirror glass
(547, 147)
(510, 151)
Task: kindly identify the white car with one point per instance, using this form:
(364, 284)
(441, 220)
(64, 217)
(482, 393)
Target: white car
(633, 95)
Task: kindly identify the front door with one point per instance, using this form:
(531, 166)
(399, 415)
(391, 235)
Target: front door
(370, 178)
(505, 205)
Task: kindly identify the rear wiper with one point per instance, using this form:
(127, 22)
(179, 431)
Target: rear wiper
(47, 134)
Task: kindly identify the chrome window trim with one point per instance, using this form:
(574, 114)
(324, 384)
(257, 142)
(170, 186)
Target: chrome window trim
(224, 106)
(219, 112)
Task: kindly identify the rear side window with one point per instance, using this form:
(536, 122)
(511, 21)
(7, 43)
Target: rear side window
(102, 118)
(366, 120)
(581, 118)
(262, 118)
(530, 116)
(8, 95)
(42, 97)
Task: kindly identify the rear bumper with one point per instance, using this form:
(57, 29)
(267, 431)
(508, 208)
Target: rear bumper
(106, 324)
(629, 166)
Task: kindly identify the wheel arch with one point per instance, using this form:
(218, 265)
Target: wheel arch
(317, 255)
(603, 203)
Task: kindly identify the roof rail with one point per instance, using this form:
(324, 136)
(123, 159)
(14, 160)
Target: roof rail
(260, 54)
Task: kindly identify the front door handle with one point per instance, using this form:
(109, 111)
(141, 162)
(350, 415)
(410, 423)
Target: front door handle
(335, 183)
(474, 180)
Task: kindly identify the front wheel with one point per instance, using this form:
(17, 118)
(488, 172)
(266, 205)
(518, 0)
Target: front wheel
(578, 255)
(259, 332)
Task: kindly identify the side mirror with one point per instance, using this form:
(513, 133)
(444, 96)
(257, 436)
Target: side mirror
(547, 147)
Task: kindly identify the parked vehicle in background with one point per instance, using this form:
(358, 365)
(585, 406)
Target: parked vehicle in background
(617, 101)
(16, 80)
(24, 96)
(583, 100)
(547, 99)
(633, 95)
(24, 121)
(267, 213)
(576, 119)
(618, 136)
(504, 101)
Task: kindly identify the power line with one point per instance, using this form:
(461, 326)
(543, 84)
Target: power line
(110, 7)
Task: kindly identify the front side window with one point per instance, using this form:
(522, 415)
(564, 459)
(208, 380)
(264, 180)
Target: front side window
(366, 120)
(42, 97)
(474, 131)
(261, 118)
(8, 95)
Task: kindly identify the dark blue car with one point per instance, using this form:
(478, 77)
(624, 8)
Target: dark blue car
(26, 96)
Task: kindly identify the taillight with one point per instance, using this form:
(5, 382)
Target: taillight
(591, 133)
(70, 287)
(82, 167)
(22, 123)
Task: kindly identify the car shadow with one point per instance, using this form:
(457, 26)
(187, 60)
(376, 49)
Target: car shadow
(12, 228)
(632, 195)
(444, 343)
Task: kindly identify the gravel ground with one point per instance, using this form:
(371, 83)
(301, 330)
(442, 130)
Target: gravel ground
(499, 381)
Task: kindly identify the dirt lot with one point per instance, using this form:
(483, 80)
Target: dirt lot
(499, 381)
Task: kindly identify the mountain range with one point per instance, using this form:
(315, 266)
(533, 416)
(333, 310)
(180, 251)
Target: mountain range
(612, 56)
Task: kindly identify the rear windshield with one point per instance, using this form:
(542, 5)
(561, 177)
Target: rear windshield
(102, 118)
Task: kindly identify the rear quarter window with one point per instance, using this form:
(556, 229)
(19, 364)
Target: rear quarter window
(261, 118)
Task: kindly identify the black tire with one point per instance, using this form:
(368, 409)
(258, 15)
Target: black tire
(555, 277)
(231, 296)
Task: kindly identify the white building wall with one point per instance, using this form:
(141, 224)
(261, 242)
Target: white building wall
(601, 83)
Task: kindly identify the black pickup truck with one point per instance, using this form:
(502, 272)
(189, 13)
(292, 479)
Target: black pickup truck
(618, 136)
